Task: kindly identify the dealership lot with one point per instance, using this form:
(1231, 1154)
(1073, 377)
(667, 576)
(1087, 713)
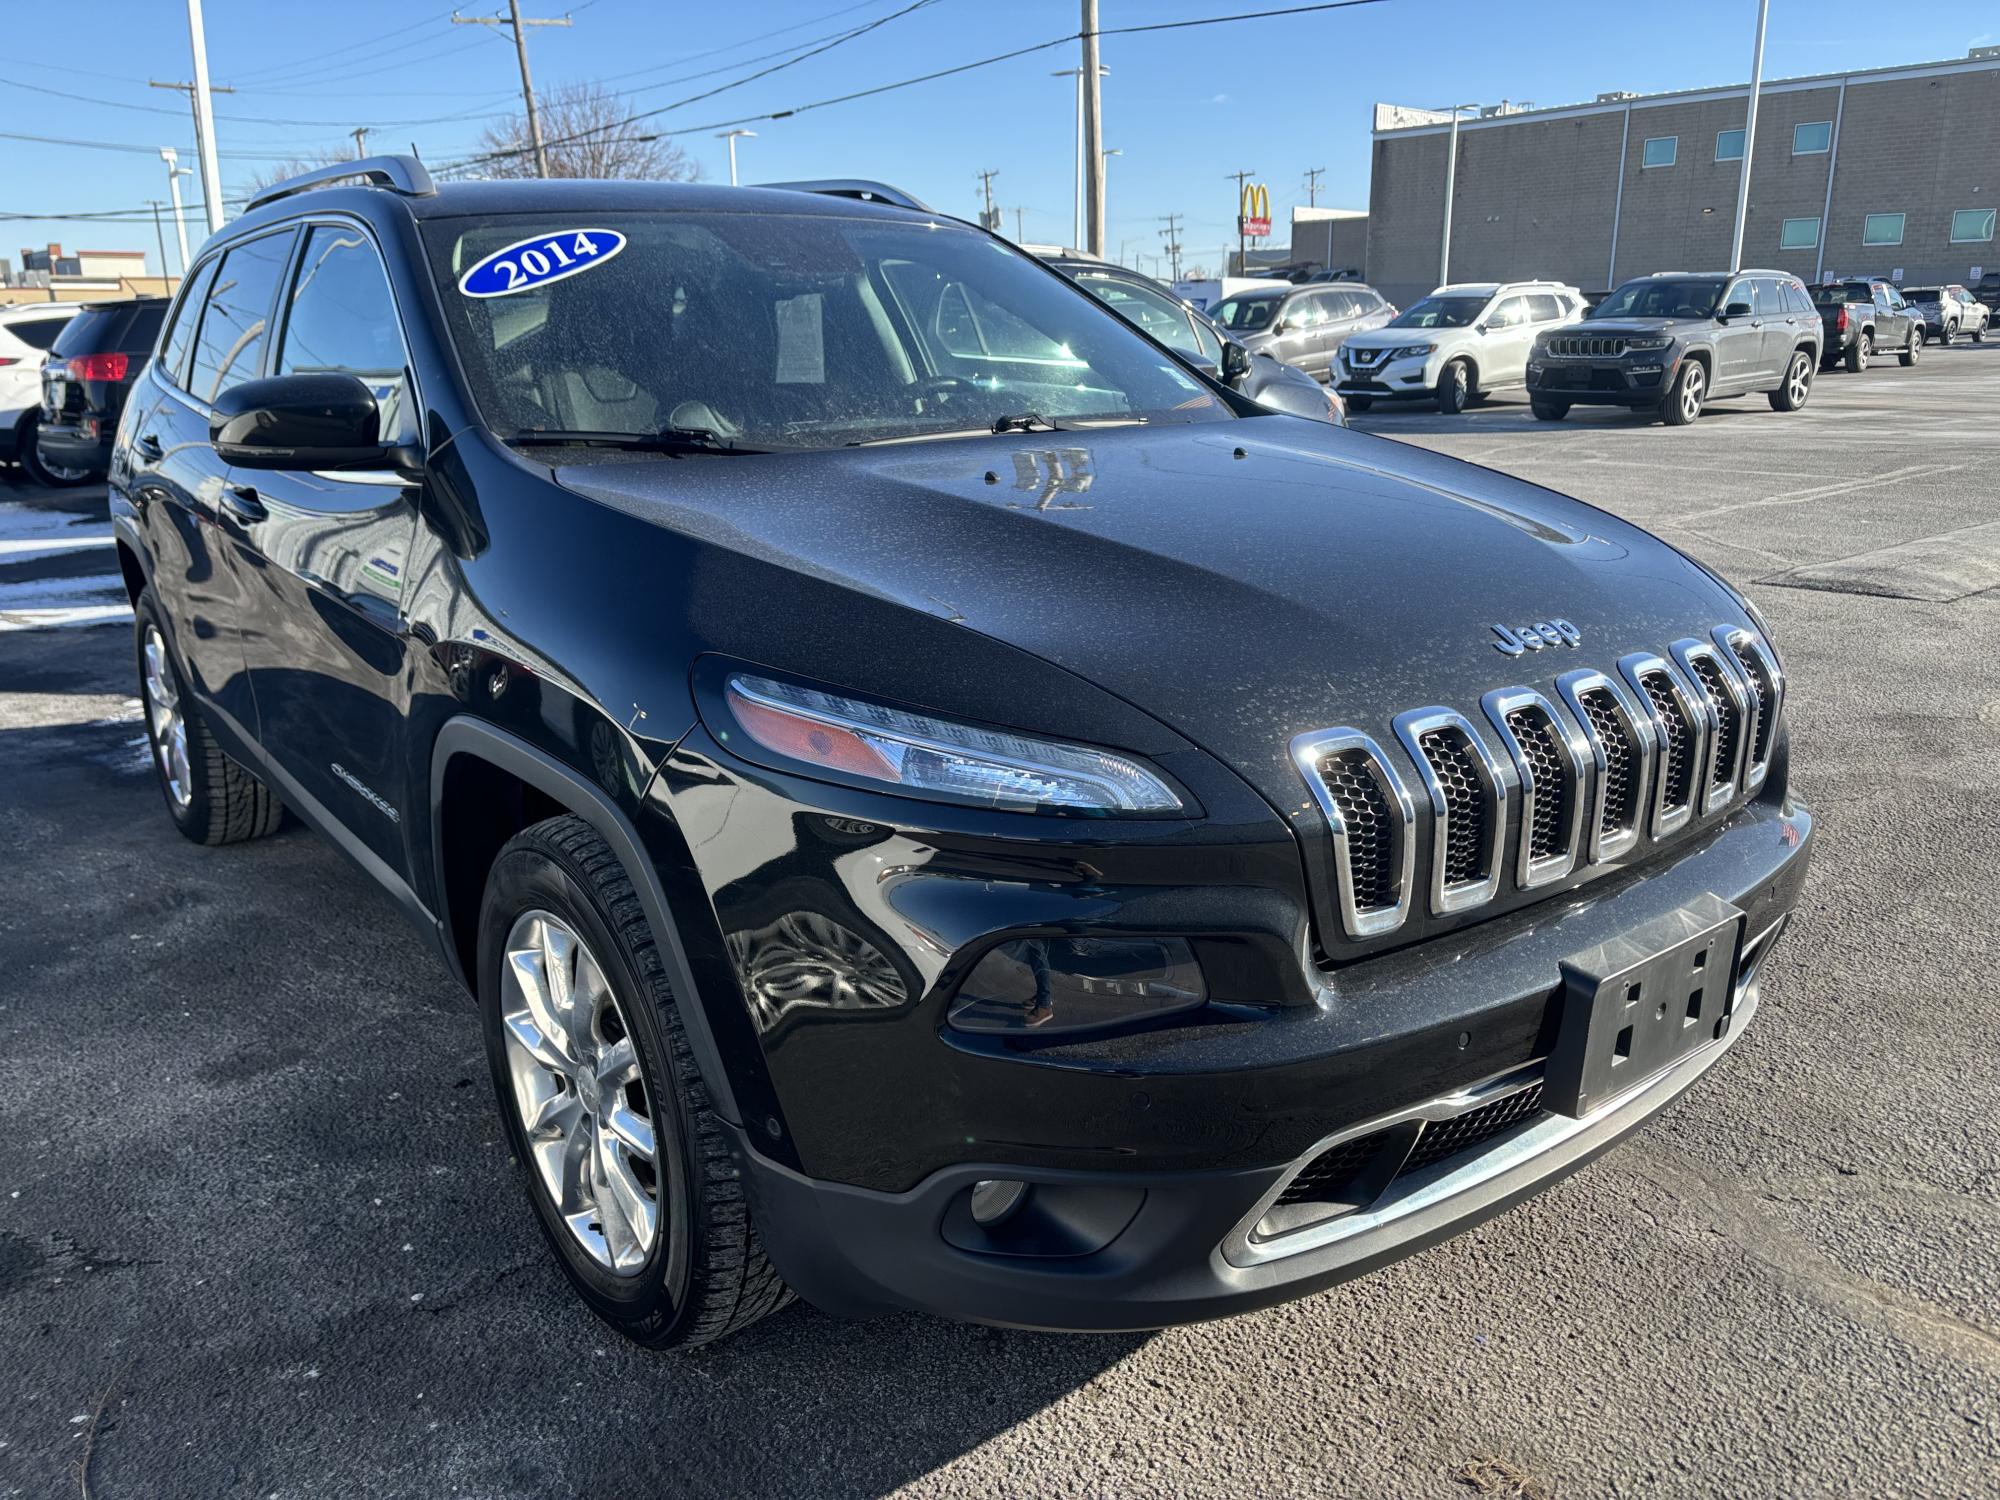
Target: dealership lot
(258, 1234)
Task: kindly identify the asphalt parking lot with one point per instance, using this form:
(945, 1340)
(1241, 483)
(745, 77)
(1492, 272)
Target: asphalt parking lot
(259, 1236)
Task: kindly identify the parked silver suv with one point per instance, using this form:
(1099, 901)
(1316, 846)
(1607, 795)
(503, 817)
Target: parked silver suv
(1302, 325)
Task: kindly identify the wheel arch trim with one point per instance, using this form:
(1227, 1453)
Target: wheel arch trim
(465, 735)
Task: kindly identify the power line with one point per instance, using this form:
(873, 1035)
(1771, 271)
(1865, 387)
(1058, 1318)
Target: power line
(519, 25)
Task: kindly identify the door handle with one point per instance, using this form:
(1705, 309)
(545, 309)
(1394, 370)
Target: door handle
(241, 501)
(149, 448)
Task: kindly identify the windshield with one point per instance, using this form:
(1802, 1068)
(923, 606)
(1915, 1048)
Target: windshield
(754, 331)
(1848, 291)
(1246, 314)
(1441, 312)
(1662, 297)
(1921, 293)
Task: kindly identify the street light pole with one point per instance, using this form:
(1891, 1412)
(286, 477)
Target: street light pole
(175, 172)
(1091, 78)
(1450, 189)
(204, 120)
(732, 136)
(1750, 141)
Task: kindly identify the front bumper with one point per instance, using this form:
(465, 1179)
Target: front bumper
(1583, 382)
(1410, 378)
(1139, 1241)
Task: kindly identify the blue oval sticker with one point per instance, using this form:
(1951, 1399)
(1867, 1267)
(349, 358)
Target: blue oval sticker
(537, 262)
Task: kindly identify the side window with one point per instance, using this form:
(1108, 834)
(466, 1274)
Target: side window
(1739, 292)
(1764, 298)
(973, 327)
(1799, 301)
(1511, 313)
(1301, 312)
(37, 333)
(341, 318)
(1544, 306)
(1157, 315)
(1207, 342)
(1337, 306)
(180, 337)
(230, 347)
(142, 330)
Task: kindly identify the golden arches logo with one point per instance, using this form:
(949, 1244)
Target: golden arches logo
(1253, 211)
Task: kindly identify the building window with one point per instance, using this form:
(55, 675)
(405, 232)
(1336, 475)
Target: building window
(1971, 226)
(1812, 138)
(1882, 229)
(1729, 145)
(1799, 234)
(1660, 151)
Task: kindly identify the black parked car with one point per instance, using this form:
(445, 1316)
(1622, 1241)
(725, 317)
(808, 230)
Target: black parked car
(940, 807)
(1860, 317)
(1146, 304)
(91, 369)
(1674, 342)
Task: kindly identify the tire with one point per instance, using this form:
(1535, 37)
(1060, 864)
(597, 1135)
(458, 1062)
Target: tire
(43, 473)
(702, 1273)
(1454, 387)
(1860, 351)
(1358, 403)
(1682, 403)
(1913, 347)
(1549, 411)
(211, 799)
(1945, 335)
(1979, 334)
(1797, 385)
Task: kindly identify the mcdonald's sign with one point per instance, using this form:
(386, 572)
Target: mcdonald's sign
(1253, 213)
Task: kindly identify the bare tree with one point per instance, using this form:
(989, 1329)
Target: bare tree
(586, 133)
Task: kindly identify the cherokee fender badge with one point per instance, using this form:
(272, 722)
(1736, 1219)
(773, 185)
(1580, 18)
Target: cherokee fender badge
(1543, 633)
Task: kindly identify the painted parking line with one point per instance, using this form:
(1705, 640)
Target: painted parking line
(30, 600)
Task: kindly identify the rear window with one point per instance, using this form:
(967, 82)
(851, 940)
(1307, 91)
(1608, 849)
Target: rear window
(1921, 293)
(36, 333)
(142, 330)
(1846, 291)
(92, 331)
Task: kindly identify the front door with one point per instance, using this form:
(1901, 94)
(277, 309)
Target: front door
(325, 555)
(1503, 352)
(1739, 338)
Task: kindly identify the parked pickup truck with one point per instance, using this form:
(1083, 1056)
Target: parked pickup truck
(1987, 293)
(1861, 317)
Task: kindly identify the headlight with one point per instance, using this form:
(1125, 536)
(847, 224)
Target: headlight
(1648, 343)
(937, 758)
(1410, 350)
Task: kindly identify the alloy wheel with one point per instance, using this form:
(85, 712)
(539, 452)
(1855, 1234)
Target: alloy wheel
(1866, 348)
(163, 713)
(1800, 380)
(581, 1097)
(1916, 346)
(1691, 389)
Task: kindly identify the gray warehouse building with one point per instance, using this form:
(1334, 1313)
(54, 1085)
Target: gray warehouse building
(1892, 171)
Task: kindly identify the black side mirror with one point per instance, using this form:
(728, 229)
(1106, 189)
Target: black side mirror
(298, 422)
(1736, 310)
(1235, 364)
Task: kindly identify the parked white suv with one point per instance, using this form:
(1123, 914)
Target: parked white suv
(1460, 343)
(25, 336)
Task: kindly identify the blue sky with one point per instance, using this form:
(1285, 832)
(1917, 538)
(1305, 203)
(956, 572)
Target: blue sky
(1186, 106)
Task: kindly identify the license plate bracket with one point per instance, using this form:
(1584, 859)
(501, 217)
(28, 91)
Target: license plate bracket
(1636, 1005)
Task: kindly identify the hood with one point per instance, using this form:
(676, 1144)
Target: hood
(1396, 338)
(1620, 327)
(1240, 581)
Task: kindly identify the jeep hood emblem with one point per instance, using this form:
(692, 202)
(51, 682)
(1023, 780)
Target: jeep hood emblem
(1513, 641)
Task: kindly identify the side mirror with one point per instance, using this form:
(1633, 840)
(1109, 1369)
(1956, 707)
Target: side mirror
(1479, 328)
(1235, 364)
(298, 422)
(1736, 310)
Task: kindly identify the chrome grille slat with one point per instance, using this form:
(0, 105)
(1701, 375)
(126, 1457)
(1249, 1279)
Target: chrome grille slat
(1680, 728)
(1340, 766)
(1620, 737)
(1468, 795)
(1575, 347)
(1765, 683)
(1552, 766)
(1722, 697)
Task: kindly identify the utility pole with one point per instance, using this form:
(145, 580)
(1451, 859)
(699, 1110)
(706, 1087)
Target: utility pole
(204, 152)
(160, 234)
(1020, 225)
(1093, 135)
(991, 218)
(514, 20)
(1450, 190)
(1242, 237)
(1313, 175)
(360, 134)
(175, 172)
(1172, 235)
(1750, 141)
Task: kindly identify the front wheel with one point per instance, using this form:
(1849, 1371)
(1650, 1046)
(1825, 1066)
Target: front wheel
(1945, 335)
(1683, 400)
(606, 1114)
(1358, 403)
(1859, 352)
(1454, 388)
(50, 476)
(1549, 411)
(211, 799)
(1797, 385)
(1979, 334)
(1912, 347)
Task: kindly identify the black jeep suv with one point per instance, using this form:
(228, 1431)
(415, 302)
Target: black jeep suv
(1674, 342)
(941, 804)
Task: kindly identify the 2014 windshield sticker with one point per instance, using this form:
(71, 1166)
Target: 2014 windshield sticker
(530, 263)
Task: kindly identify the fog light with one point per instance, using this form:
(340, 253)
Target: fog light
(1645, 369)
(995, 1200)
(1051, 985)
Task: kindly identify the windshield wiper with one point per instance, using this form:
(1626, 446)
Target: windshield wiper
(1027, 421)
(667, 440)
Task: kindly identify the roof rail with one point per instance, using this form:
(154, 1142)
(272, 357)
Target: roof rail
(399, 174)
(855, 187)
